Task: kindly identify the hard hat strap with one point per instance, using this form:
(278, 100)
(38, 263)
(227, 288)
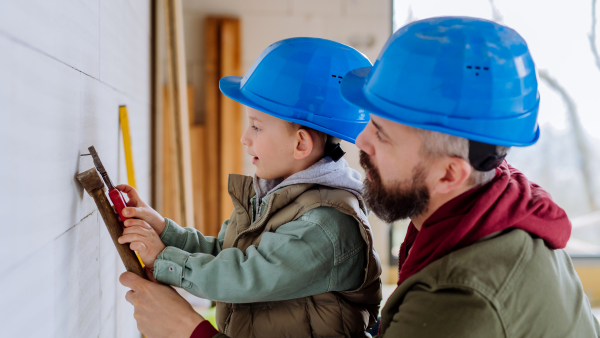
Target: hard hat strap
(483, 156)
(333, 148)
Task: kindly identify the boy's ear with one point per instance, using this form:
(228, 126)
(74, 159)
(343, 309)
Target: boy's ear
(304, 144)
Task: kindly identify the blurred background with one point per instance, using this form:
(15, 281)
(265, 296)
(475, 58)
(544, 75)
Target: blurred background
(67, 66)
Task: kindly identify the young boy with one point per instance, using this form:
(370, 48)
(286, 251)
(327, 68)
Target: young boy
(296, 258)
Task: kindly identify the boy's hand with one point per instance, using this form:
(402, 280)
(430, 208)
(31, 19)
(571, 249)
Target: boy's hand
(136, 208)
(145, 241)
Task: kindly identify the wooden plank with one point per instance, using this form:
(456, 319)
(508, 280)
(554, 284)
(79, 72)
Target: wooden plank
(93, 184)
(171, 201)
(177, 87)
(231, 122)
(198, 173)
(212, 218)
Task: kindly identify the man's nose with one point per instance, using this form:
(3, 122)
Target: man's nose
(362, 142)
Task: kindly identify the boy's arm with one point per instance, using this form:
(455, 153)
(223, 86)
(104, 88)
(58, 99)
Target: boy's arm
(295, 261)
(192, 240)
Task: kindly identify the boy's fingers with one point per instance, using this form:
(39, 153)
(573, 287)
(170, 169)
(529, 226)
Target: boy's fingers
(130, 238)
(137, 212)
(143, 231)
(132, 222)
(137, 246)
(132, 194)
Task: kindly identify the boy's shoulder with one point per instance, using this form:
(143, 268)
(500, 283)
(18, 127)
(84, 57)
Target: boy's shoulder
(328, 217)
(342, 229)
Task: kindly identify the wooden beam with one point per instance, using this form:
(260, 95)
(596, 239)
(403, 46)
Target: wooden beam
(199, 177)
(94, 185)
(230, 112)
(212, 215)
(171, 194)
(177, 85)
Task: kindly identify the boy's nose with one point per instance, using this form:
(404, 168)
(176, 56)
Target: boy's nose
(245, 140)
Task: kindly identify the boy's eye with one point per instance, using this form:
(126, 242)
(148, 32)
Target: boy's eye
(254, 127)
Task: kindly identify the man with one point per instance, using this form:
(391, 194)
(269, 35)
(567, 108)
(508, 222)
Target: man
(482, 258)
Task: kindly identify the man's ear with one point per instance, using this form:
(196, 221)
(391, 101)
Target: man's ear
(452, 174)
(304, 144)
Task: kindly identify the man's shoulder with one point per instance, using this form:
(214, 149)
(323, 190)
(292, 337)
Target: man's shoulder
(505, 273)
(498, 265)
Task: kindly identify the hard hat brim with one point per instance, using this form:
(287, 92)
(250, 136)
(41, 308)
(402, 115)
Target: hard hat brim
(230, 86)
(352, 90)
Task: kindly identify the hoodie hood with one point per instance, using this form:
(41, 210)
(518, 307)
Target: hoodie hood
(325, 172)
(509, 201)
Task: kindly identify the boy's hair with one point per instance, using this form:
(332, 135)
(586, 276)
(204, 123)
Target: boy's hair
(437, 144)
(294, 127)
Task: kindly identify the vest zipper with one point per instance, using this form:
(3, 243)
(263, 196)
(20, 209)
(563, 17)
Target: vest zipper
(259, 221)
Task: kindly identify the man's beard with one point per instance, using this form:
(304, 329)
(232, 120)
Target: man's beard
(405, 199)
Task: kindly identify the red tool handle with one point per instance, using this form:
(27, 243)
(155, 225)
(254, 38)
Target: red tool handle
(119, 202)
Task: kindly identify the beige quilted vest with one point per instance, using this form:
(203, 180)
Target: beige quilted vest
(331, 314)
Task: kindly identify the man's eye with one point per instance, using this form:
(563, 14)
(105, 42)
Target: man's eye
(379, 136)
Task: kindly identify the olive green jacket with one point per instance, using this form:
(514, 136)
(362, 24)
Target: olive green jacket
(506, 285)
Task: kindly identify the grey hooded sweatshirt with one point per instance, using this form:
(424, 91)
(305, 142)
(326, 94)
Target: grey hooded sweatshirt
(301, 258)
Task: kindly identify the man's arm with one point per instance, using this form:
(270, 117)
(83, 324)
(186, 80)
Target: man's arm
(158, 309)
(446, 313)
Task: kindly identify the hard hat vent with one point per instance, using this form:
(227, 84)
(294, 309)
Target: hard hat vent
(477, 69)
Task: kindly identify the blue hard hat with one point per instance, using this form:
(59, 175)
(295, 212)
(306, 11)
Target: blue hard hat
(298, 80)
(461, 76)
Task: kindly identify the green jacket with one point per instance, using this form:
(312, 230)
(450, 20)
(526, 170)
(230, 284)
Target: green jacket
(345, 313)
(506, 285)
(272, 271)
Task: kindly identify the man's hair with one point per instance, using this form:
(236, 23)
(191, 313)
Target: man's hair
(436, 144)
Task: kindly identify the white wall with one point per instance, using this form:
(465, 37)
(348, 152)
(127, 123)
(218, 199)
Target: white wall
(363, 24)
(65, 67)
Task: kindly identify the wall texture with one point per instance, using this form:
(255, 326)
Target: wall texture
(363, 24)
(65, 67)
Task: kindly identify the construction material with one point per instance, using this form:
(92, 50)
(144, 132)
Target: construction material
(124, 119)
(199, 178)
(177, 94)
(92, 183)
(230, 111)
(212, 216)
(171, 196)
(223, 120)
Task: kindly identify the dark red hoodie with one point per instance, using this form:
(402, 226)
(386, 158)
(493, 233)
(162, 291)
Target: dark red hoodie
(508, 201)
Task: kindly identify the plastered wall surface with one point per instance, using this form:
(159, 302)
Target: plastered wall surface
(65, 67)
(363, 24)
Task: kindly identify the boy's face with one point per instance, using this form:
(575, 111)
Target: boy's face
(271, 144)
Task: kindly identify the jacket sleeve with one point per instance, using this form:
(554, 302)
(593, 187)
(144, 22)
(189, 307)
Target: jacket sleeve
(295, 261)
(446, 313)
(192, 240)
(206, 330)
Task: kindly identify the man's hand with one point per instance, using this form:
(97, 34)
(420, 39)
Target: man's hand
(160, 311)
(145, 241)
(140, 211)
